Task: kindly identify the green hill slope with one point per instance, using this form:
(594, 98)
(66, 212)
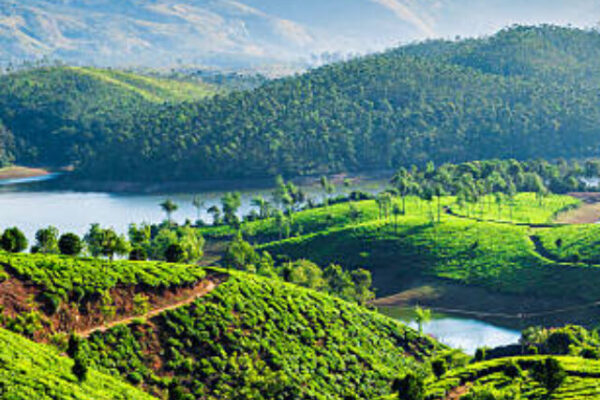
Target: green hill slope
(262, 339)
(34, 371)
(445, 102)
(59, 114)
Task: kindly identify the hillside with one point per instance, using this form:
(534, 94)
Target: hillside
(441, 102)
(211, 332)
(59, 114)
(262, 339)
(34, 371)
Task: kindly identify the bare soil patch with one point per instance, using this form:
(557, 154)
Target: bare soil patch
(587, 213)
(514, 311)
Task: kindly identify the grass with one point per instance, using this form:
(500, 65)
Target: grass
(498, 256)
(526, 208)
(156, 90)
(34, 371)
(572, 243)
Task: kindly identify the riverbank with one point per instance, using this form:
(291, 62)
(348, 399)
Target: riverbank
(509, 311)
(74, 183)
(587, 213)
(19, 172)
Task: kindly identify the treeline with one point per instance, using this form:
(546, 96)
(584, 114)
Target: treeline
(525, 93)
(439, 102)
(163, 242)
(7, 144)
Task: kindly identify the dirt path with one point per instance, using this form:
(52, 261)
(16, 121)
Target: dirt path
(457, 392)
(207, 286)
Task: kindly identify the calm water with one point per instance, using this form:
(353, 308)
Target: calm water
(74, 211)
(460, 333)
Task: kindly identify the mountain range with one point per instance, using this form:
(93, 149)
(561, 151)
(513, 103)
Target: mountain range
(251, 33)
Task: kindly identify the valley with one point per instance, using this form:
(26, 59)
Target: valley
(421, 223)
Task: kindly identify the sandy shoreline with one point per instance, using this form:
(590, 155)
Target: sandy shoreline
(21, 172)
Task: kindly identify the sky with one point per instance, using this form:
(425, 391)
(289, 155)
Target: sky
(247, 32)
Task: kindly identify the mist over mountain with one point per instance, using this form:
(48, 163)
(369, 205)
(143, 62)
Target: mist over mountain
(250, 33)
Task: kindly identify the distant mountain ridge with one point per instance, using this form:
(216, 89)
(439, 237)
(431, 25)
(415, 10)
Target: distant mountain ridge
(250, 33)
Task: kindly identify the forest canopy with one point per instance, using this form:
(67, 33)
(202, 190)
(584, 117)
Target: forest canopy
(525, 93)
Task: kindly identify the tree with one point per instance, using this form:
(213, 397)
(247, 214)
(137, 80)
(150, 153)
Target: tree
(231, 202)
(327, 187)
(198, 204)
(216, 215)
(169, 207)
(114, 244)
(138, 253)
(46, 240)
(13, 240)
(105, 242)
(240, 255)
(422, 316)
(70, 244)
(362, 280)
(404, 183)
(262, 205)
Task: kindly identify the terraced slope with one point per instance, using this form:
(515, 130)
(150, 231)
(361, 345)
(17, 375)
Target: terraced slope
(513, 378)
(263, 339)
(34, 371)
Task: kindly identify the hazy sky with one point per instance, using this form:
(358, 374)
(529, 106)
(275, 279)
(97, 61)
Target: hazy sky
(234, 31)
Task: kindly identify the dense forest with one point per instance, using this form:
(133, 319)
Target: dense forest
(527, 92)
(60, 115)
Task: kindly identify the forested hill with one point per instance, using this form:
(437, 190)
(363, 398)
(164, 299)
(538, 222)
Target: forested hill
(60, 114)
(519, 94)
(526, 92)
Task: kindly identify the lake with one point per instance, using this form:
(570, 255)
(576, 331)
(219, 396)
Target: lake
(459, 333)
(24, 205)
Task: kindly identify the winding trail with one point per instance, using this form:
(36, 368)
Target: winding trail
(204, 288)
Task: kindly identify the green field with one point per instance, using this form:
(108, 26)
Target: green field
(157, 90)
(65, 276)
(34, 371)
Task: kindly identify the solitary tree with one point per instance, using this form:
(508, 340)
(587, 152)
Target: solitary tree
(169, 207)
(231, 202)
(216, 214)
(422, 316)
(198, 204)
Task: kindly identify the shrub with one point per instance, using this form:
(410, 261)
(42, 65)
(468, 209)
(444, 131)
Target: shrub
(439, 367)
(411, 387)
(138, 254)
(13, 240)
(80, 367)
(550, 374)
(480, 354)
(513, 370)
(174, 253)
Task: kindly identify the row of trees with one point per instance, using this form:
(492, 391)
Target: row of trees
(164, 241)
(473, 182)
